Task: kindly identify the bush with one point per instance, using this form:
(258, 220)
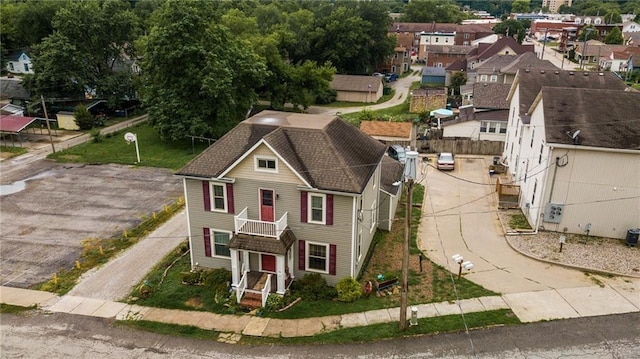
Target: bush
(274, 302)
(96, 135)
(348, 290)
(191, 278)
(313, 287)
(218, 280)
(83, 117)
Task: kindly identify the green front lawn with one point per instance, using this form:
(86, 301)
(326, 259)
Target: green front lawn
(154, 152)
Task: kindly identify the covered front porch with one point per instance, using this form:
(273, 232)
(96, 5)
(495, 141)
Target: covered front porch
(261, 257)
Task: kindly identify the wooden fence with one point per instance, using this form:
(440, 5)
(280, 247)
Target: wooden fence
(461, 146)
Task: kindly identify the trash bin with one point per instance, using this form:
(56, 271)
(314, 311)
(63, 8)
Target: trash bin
(496, 161)
(632, 237)
(414, 316)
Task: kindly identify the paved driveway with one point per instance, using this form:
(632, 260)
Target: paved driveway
(460, 218)
(43, 225)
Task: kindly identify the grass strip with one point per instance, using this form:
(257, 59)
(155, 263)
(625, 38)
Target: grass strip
(13, 309)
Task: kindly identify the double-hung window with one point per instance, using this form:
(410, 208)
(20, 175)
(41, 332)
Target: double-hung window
(218, 197)
(318, 257)
(216, 243)
(317, 206)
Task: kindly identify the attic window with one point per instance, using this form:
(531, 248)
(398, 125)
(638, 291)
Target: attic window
(266, 164)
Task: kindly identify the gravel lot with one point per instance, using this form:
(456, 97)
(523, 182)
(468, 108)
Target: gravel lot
(601, 254)
(43, 225)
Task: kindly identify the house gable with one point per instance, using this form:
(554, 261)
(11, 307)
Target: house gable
(251, 166)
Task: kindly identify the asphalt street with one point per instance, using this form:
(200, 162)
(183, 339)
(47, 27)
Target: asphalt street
(64, 335)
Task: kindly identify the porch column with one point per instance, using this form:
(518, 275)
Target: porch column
(245, 261)
(280, 274)
(235, 270)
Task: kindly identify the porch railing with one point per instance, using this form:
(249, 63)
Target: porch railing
(242, 285)
(266, 290)
(259, 228)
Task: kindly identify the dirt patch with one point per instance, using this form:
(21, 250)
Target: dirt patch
(194, 302)
(387, 260)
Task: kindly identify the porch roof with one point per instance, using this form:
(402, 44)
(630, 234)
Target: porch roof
(264, 244)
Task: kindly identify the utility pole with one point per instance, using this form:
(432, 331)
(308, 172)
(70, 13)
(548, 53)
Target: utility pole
(544, 44)
(44, 107)
(410, 174)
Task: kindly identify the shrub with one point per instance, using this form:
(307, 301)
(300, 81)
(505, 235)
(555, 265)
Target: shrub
(348, 290)
(313, 287)
(96, 135)
(218, 280)
(274, 302)
(326, 96)
(83, 117)
(190, 278)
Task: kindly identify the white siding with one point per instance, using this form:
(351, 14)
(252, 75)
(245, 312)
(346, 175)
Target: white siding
(467, 129)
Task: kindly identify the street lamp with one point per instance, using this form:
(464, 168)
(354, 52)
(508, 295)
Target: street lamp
(368, 93)
(584, 46)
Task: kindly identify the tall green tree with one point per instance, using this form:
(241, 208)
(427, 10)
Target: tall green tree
(90, 46)
(444, 11)
(614, 37)
(458, 79)
(512, 28)
(196, 79)
(520, 6)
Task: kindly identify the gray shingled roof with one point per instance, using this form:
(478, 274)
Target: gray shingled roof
(605, 118)
(531, 81)
(491, 95)
(264, 244)
(392, 171)
(12, 88)
(327, 152)
(356, 83)
(528, 60)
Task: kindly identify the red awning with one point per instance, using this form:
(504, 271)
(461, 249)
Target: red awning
(15, 124)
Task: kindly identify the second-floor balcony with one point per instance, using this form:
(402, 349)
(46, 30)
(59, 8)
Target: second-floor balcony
(259, 228)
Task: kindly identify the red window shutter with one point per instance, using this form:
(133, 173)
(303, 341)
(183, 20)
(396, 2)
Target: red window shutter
(207, 242)
(303, 207)
(302, 255)
(230, 208)
(332, 259)
(206, 195)
(329, 210)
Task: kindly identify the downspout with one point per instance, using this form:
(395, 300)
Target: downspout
(553, 179)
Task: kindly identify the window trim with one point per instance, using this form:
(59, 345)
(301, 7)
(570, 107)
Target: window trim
(307, 255)
(256, 164)
(310, 196)
(212, 196)
(212, 240)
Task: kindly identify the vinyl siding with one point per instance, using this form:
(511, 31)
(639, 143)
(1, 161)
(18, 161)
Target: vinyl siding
(591, 186)
(385, 209)
(246, 169)
(370, 198)
(199, 219)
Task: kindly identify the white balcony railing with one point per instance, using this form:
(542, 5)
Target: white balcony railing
(259, 228)
(242, 286)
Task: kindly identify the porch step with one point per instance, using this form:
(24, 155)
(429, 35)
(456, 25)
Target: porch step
(251, 300)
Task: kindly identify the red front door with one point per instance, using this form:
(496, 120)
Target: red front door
(268, 263)
(266, 205)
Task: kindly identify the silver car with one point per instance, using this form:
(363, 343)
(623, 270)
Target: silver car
(446, 161)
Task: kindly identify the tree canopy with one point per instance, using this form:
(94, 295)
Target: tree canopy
(513, 28)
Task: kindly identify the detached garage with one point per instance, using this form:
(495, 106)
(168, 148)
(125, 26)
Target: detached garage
(352, 88)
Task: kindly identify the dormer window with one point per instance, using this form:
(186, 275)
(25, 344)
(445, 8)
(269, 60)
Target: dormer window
(266, 164)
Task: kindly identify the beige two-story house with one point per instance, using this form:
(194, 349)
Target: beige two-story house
(285, 194)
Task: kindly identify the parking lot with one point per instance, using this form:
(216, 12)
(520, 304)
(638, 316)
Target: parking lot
(51, 211)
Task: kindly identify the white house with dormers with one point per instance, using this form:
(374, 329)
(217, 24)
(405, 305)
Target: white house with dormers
(19, 62)
(573, 147)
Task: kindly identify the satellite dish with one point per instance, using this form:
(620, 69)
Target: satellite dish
(575, 134)
(130, 137)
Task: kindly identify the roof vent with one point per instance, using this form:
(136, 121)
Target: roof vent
(556, 72)
(541, 71)
(526, 70)
(600, 74)
(585, 73)
(571, 73)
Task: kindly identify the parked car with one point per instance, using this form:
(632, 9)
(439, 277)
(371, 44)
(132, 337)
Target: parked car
(398, 153)
(446, 161)
(391, 77)
(377, 74)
